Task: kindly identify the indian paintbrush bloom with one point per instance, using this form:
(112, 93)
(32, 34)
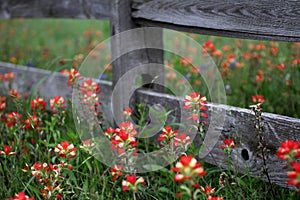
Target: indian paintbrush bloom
(258, 99)
(116, 172)
(294, 176)
(38, 104)
(65, 150)
(182, 139)
(207, 190)
(32, 122)
(12, 119)
(57, 103)
(289, 150)
(127, 113)
(15, 94)
(196, 104)
(21, 196)
(7, 150)
(228, 144)
(131, 183)
(2, 103)
(167, 134)
(73, 75)
(187, 168)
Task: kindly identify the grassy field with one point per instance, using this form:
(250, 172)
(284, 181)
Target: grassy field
(42, 155)
(249, 68)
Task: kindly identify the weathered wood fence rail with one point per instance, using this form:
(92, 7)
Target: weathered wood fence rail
(263, 19)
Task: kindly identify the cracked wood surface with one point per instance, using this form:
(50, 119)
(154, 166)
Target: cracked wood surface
(85, 9)
(260, 19)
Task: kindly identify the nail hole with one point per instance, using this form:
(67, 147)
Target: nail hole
(245, 154)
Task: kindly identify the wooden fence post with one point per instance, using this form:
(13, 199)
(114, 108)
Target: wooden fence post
(126, 57)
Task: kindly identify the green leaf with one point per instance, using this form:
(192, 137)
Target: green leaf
(151, 167)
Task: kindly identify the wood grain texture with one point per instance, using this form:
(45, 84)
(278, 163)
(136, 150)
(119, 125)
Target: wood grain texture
(85, 9)
(129, 51)
(239, 123)
(261, 19)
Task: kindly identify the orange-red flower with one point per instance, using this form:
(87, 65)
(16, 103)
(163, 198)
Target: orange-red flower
(187, 168)
(15, 94)
(2, 103)
(38, 104)
(12, 119)
(127, 112)
(294, 176)
(21, 196)
(289, 150)
(57, 103)
(168, 134)
(65, 150)
(131, 183)
(73, 75)
(207, 190)
(7, 150)
(186, 61)
(182, 139)
(229, 144)
(281, 67)
(258, 98)
(116, 172)
(32, 122)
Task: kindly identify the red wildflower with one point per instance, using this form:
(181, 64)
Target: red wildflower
(209, 47)
(73, 75)
(90, 90)
(260, 46)
(65, 150)
(168, 134)
(7, 150)
(2, 103)
(38, 104)
(194, 99)
(21, 196)
(259, 77)
(131, 183)
(187, 168)
(280, 67)
(207, 190)
(294, 176)
(12, 119)
(296, 61)
(289, 150)
(182, 139)
(9, 76)
(116, 172)
(57, 103)
(186, 61)
(15, 94)
(258, 99)
(178, 195)
(127, 112)
(32, 122)
(228, 144)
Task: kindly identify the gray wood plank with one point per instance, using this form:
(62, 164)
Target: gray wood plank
(239, 124)
(261, 19)
(129, 51)
(85, 9)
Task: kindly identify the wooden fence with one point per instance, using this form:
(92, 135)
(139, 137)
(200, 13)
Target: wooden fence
(263, 20)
